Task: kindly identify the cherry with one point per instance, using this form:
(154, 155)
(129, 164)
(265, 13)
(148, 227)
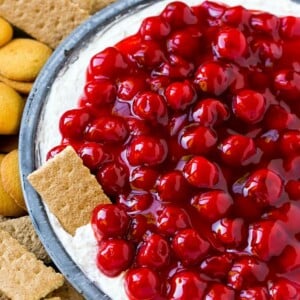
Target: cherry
(100, 92)
(289, 260)
(213, 78)
(258, 293)
(210, 112)
(247, 271)
(289, 27)
(92, 154)
(154, 252)
(137, 126)
(142, 284)
(114, 256)
(185, 43)
(129, 86)
(178, 14)
(277, 118)
(180, 95)
(220, 291)
(155, 28)
(173, 187)
(146, 150)
(230, 43)
(189, 246)
(235, 16)
(265, 23)
(187, 285)
(290, 143)
(200, 172)
(150, 106)
(231, 232)
(158, 84)
(284, 289)
(107, 64)
(265, 186)
(293, 189)
(73, 123)
(212, 205)
(54, 151)
(198, 140)
(173, 219)
(269, 143)
(217, 266)
(136, 201)
(143, 178)
(113, 178)
(213, 10)
(139, 226)
(109, 220)
(268, 239)
(249, 106)
(107, 129)
(238, 150)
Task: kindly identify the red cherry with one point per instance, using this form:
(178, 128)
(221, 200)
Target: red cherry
(210, 112)
(284, 289)
(290, 143)
(185, 43)
(146, 150)
(143, 178)
(213, 10)
(187, 285)
(109, 220)
(189, 246)
(173, 219)
(238, 150)
(231, 232)
(136, 201)
(179, 14)
(289, 260)
(173, 187)
(198, 140)
(220, 291)
(258, 293)
(73, 122)
(277, 118)
(114, 256)
(139, 227)
(100, 92)
(235, 16)
(113, 178)
(265, 186)
(268, 239)
(137, 126)
(154, 28)
(129, 86)
(293, 189)
(154, 252)
(158, 84)
(249, 106)
(107, 129)
(54, 151)
(92, 154)
(213, 78)
(212, 205)
(265, 23)
(180, 95)
(231, 43)
(142, 284)
(151, 107)
(246, 272)
(107, 64)
(200, 172)
(289, 27)
(217, 266)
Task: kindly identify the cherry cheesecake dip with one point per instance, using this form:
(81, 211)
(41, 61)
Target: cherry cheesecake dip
(188, 114)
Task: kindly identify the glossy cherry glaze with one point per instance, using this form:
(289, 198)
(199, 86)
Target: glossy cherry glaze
(191, 126)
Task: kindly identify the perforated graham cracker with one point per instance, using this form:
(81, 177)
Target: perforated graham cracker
(22, 230)
(47, 21)
(66, 292)
(22, 275)
(69, 189)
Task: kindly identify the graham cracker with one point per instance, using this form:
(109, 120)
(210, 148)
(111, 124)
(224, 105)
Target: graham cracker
(69, 189)
(99, 4)
(22, 230)
(66, 292)
(47, 21)
(22, 275)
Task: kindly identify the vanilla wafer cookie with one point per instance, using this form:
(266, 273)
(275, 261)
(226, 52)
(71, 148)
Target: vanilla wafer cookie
(22, 275)
(69, 189)
(47, 21)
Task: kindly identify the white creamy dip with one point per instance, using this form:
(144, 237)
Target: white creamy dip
(64, 94)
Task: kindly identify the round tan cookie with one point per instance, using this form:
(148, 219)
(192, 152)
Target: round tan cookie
(11, 179)
(21, 87)
(11, 108)
(8, 206)
(6, 32)
(22, 59)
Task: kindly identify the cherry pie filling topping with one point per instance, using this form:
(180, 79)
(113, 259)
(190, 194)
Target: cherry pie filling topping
(192, 127)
